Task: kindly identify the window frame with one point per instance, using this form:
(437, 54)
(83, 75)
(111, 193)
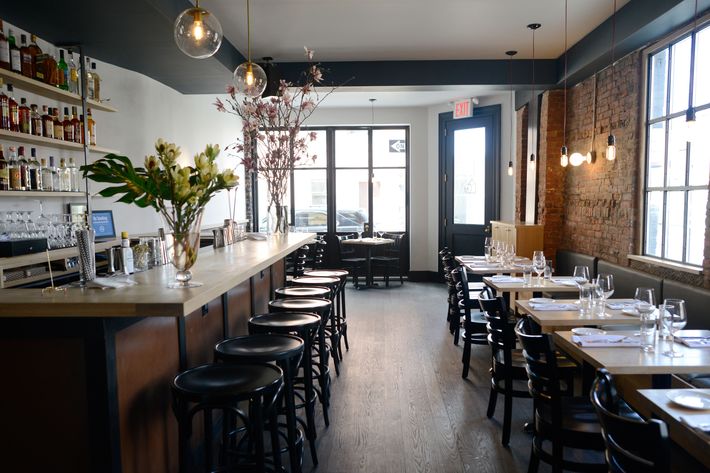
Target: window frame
(666, 43)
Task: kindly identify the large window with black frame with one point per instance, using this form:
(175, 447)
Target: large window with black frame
(360, 175)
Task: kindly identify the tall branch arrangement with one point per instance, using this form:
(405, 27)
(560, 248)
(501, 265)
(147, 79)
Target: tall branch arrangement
(272, 142)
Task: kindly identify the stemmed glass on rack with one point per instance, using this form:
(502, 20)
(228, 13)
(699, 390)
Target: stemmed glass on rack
(674, 318)
(605, 289)
(539, 264)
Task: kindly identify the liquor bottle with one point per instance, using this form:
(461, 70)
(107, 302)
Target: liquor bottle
(68, 126)
(14, 167)
(90, 93)
(27, 61)
(62, 72)
(4, 172)
(92, 128)
(23, 113)
(47, 123)
(35, 172)
(76, 125)
(64, 178)
(14, 110)
(4, 50)
(36, 123)
(58, 125)
(47, 180)
(55, 175)
(73, 75)
(24, 169)
(4, 109)
(73, 176)
(97, 82)
(15, 58)
(46, 69)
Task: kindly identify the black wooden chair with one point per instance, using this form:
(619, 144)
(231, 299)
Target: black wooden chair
(390, 261)
(632, 444)
(566, 422)
(474, 323)
(349, 259)
(507, 362)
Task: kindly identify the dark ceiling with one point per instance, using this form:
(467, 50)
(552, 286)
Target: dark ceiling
(137, 35)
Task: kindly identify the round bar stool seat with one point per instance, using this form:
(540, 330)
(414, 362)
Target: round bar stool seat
(319, 292)
(331, 282)
(305, 325)
(301, 304)
(327, 273)
(222, 387)
(286, 350)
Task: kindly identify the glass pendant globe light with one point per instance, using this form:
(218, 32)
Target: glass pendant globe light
(533, 27)
(577, 159)
(512, 106)
(249, 77)
(197, 32)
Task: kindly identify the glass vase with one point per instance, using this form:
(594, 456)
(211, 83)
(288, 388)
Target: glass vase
(278, 219)
(184, 248)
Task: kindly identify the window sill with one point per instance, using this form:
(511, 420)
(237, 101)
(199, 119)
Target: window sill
(686, 268)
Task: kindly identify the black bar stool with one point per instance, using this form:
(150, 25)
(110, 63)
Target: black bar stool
(222, 387)
(286, 351)
(322, 307)
(305, 326)
(341, 311)
(308, 292)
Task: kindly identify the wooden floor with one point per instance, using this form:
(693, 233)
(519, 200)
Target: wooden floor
(400, 404)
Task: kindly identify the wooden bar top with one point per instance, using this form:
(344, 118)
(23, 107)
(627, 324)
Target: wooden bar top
(218, 269)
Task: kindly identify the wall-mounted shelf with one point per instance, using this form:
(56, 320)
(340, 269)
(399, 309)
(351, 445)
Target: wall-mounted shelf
(49, 91)
(51, 142)
(41, 194)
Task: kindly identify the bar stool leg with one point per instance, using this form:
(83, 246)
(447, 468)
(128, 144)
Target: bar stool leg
(295, 456)
(257, 433)
(310, 398)
(323, 378)
(209, 444)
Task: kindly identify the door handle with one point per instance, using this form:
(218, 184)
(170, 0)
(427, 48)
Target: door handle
(487, 229)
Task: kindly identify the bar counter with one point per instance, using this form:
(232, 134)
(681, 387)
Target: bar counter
(87, 372)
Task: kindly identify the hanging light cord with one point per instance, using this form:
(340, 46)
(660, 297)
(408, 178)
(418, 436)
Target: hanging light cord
(512, 115)
(248, 34)
(564, 117)
(613, 46)
(691, 111)
(532, 98)
(594, 114)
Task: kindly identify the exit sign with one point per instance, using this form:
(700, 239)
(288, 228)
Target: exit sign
(463, 109)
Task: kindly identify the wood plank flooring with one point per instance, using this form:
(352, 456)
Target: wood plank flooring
(400, 404)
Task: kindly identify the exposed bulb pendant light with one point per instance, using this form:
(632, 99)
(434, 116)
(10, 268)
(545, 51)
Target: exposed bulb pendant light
(197, 32)
(564, 159)
(512, 104)
(690, 113)
(533, 27)
(611, 139)
(249, 77)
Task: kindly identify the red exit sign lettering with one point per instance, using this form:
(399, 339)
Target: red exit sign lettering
(463, 109)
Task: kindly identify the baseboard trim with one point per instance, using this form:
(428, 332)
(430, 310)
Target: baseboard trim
(424, 276)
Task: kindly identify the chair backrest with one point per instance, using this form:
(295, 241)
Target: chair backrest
(632, 446)
(320, 254)
(541, 366)
(501, 335)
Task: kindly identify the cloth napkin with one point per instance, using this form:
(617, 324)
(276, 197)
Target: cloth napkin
(620, 304)
(112, 282)
(596, 341)
(695, 342)
(564, 281)
(506, 279)
(480, 263)
(552, 306)
(469, 257)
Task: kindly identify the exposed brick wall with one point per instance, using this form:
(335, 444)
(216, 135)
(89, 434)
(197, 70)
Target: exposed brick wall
(551, 176)
(599, 209)
(521, 167)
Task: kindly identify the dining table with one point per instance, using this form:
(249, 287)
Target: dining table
(551, 319)
(627, 359)
(518, 289)
(368, 243)
(688, 427)
(476, 264)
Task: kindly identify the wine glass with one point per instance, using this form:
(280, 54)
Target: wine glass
(539, 263)
(580, 275)
(605, 289)
(674, 318)
(645, 303)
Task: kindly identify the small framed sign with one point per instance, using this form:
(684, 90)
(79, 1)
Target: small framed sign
(463, 108)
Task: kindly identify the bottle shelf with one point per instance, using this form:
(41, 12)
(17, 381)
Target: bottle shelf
(52, 143)
(41, 194)
(49, 91)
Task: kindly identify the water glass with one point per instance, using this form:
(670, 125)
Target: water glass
(585, 300)
(647, 332)
(605, 289)
(539, 263)
(548, 270)
(527, 275)
(674, 318)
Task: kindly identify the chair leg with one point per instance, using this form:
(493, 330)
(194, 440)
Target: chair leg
(534, 459)
(507, 411)
(557, 452)
(466, 358)
(457, 328)
(493, 397)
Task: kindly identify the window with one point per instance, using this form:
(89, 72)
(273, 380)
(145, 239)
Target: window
(360, 175)
(677, 155)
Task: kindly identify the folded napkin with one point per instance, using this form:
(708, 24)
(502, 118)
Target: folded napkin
(470, 257)
(552, 306)
(564, 281)
(115, 282)
(596, 341)
(700, 424)
(506, 279)
(695, 342)
(256, 236)
(620, 304)
(480, 263)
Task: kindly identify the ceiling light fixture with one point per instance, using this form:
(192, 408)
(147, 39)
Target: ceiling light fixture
(197, 32)
(690, 113)
(611, 139)
(564, 159)
(249, 77)
(533, 27)
(512, 106)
